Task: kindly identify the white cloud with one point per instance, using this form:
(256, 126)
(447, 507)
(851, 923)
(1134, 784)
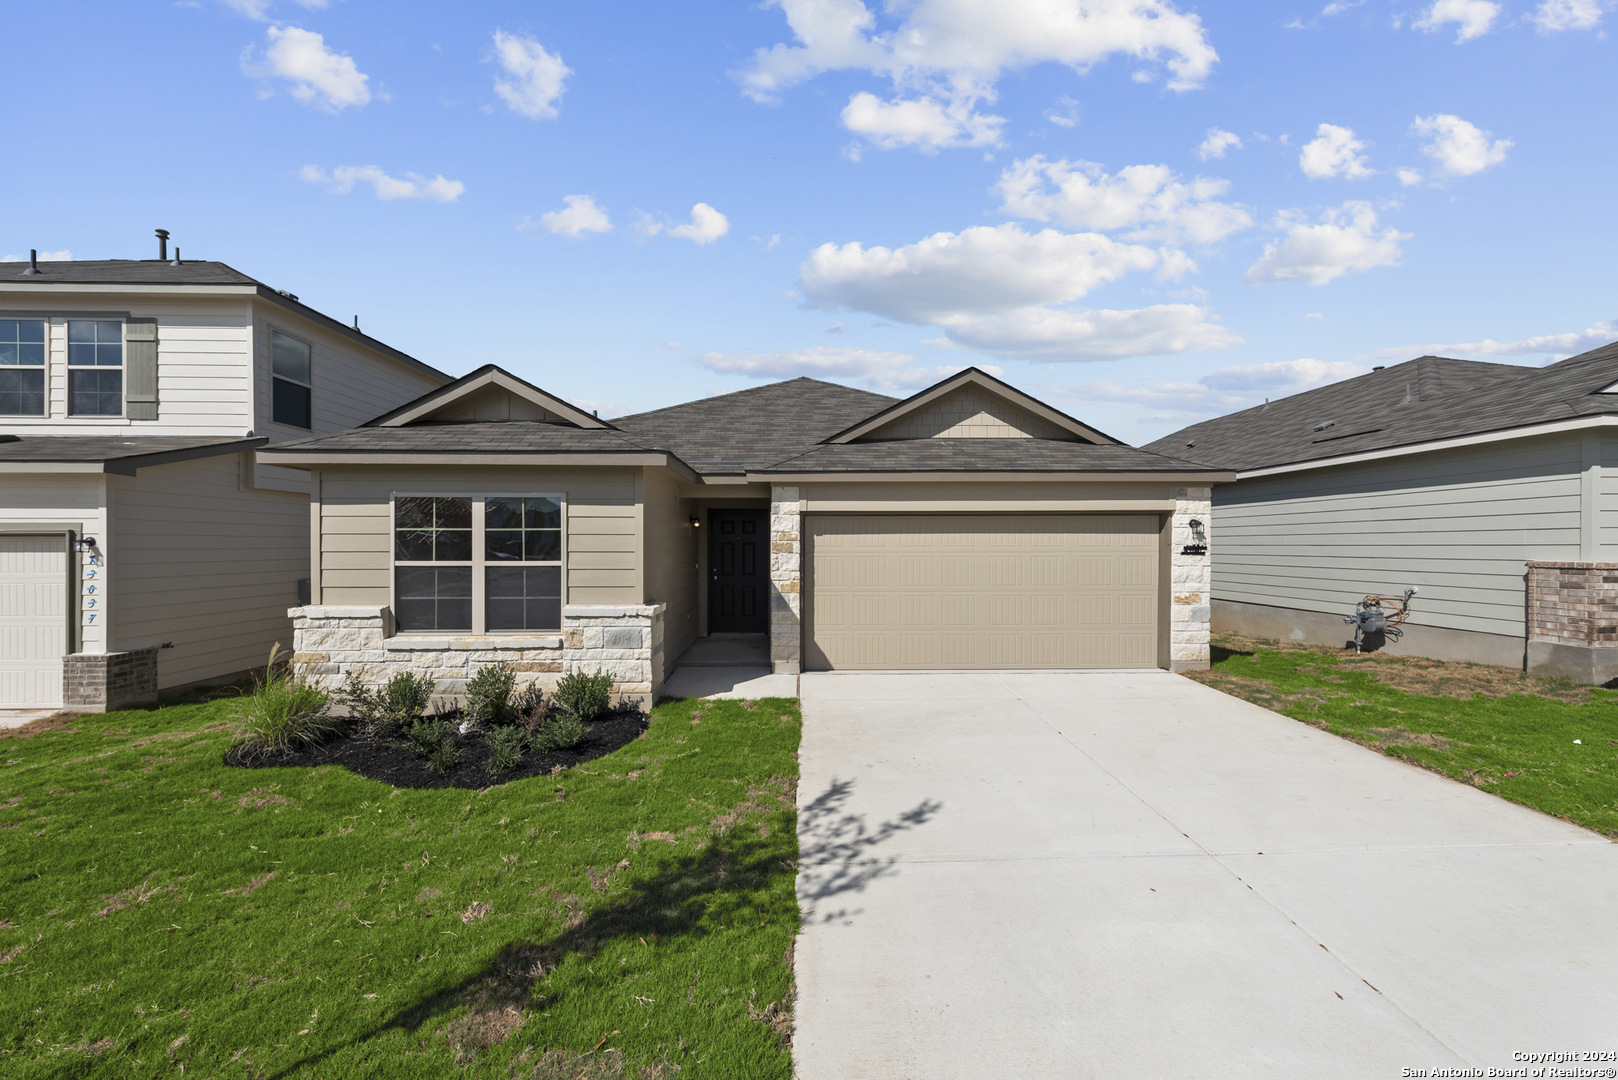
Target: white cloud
(44, 256)
(948, 55)
(1346, 239)
(706, 226)
(535, 77)
(579, 216)
(1217, 142)
(1557, 346)
(1460, 148)
(1216, 393)
(1340, 6)
(1474, 18)
(1147, 199)
(343, 178)
(1335, 152)
(319, 77)
(925, 123)
(1554, 16)
(992, 289)
(1410, 177)
(257, 10)
(872, 368)
(1065, 113)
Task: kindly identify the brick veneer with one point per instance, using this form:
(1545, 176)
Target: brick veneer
(106, 682)
(1573, 603)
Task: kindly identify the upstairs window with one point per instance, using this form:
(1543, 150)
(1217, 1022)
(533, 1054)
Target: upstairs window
(477, 565)
(95, 368)
(22, 367)
(290, 391)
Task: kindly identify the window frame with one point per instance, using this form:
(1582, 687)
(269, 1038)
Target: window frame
(478, 563)
(309, 386)
(43, 367)
(70, 367)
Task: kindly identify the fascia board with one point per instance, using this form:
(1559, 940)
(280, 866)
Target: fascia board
(1582, 423)
(327, 459)
(69, 287)
(23, 467)
(1210, 477)
(127, 466)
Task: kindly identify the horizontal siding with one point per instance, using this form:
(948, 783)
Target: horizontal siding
(671, 559)
(29, 500)
(356, 542)
(199, 561)
(1458, 525)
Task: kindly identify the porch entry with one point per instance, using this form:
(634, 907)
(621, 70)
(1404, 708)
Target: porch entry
(738, 572)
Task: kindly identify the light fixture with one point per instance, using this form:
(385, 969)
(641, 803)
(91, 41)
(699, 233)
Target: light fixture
(1196, 531)
(1199, 539)
(84, 543)
(696, 522)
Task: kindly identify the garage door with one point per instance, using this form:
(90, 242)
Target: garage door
(33, 621)
(958, 592)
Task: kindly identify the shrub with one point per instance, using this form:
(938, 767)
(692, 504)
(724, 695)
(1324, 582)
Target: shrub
(506, 746)
(284, 710)
(583, 696)
(560, 732)
(528, 705)
(428, 735)
(403, 699)
(488, 694)
(443, 759)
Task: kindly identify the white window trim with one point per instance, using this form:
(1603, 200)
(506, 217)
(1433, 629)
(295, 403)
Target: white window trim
(310, 385)
(479, 586)
(69, 368)
(44, 370)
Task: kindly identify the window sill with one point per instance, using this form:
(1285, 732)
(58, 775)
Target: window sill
(469, 643)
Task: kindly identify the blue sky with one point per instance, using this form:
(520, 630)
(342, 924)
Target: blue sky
(1147, 213)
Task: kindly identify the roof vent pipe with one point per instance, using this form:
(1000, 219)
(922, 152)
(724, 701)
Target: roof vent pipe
(33, 262)
(162, 245)
(176, 260)
(356, 324)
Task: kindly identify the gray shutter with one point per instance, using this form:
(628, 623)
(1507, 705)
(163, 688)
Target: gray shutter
(140, 369)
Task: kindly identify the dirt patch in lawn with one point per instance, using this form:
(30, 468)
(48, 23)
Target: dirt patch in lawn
(56, 722)
(390, 759)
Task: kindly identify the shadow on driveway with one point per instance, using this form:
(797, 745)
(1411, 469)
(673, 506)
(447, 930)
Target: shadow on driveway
(836, 849)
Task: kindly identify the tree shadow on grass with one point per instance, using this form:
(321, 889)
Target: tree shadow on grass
(690, 895)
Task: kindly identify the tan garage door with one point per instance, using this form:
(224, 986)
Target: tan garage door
(33, 621)
(908, 592)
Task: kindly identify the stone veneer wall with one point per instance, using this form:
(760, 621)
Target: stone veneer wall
(106, 682)
(786, 580)
(625, 642)
(1190, 582)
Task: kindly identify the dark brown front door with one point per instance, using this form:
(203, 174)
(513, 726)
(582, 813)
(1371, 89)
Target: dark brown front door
(738, 572)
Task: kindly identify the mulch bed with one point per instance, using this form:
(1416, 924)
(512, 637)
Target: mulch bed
(389, 758)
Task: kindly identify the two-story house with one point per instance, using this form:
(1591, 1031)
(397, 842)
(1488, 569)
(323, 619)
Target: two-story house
(141, 546)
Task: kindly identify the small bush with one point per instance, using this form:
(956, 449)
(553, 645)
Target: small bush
(584, 696)
(506, 746)
(284, 710)
(443, 759)
(428, 735)
(528, 705)
(488, 694)
(560, 732)
(398, 703)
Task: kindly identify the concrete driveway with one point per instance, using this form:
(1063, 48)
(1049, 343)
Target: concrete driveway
(1133, 875)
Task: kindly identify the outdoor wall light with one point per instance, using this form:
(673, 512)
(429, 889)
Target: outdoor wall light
(1196, 531)
(696, 522)
(84, 543)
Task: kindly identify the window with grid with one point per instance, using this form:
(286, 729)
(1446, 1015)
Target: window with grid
(291, 381)
(22, 367)
(95, 367)
(487, 565)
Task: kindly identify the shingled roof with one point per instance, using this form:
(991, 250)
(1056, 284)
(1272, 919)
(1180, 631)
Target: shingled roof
(750, 428)
(978, 455)
(1423, 400)
(116, 453)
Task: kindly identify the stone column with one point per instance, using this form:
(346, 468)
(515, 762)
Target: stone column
(1190, 582)
(786, 580)
(329, 641)
(625, 642)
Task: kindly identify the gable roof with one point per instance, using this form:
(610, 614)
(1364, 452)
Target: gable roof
(977, 456)
(147, 273)
(488, 375)
(983, 380)
(1420, 401)
(758, 426)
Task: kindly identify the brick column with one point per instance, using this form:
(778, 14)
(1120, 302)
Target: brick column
(786, 580)
(107, 682)
(1190, 582)
(1573, 620)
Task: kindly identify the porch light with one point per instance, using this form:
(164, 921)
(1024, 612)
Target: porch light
(696, 522)
(1196, 531)
(84, 543)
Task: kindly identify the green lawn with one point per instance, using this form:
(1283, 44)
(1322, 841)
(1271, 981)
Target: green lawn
(160, 909)
(1546, 743)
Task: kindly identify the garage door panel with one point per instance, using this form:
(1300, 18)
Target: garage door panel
(958, 591)
(33, 620)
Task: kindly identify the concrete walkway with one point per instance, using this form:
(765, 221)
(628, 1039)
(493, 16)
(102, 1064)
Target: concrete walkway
(1132, 875)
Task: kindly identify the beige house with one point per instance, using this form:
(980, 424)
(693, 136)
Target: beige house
(141, 546)
(968, 527)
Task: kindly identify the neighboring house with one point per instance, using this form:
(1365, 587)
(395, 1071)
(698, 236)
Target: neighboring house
(968, 527)
(132, 514)
(1492, 489)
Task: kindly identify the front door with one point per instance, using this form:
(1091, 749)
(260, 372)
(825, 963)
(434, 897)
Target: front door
(738, 572)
